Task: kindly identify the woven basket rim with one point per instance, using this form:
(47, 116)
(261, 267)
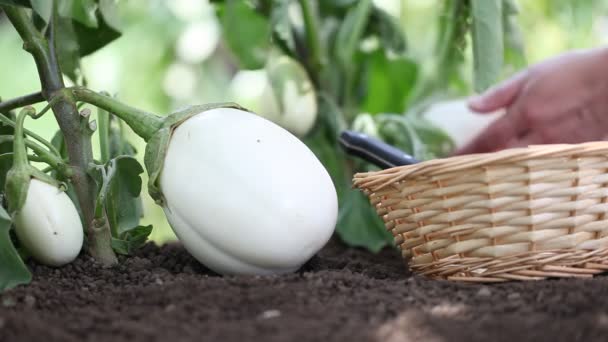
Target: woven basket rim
(435, 167)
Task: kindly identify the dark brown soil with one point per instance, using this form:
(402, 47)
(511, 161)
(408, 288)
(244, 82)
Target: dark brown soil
(341, 295)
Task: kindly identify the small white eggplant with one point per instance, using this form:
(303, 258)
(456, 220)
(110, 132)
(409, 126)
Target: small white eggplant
(48, 225)
(46, 221)
(244, 195)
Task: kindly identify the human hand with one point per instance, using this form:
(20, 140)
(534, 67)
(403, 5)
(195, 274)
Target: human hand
(560, 100)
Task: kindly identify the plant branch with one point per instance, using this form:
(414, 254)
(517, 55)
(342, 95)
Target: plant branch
(53, 160)
(78, 142)
(30, 157)
(21, 101)
(143, 123)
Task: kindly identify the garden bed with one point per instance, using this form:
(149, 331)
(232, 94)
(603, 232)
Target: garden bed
(343, 294)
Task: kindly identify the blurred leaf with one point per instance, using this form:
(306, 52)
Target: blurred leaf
(336, 7)
(246, 32)
(351, 31)
(282, 33)
(514, 54)
(131, 239)
(389, 82)
(446, 73)
(487, 42)
(359, 224)
(13, 271)
(387, 27)
(23, 3)
(44, 9)
(82, 11)
(67, 48)
(78, 34)
(93, 39)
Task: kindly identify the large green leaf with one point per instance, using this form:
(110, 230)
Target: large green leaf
(246, 32)
(487, 42)
(13, 271)
(389, 82)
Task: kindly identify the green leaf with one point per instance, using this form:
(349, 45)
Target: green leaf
(13, 271)
(389, 82)
(247, 33)
(123, 204)
(131, 239)
(359, 225)
(487, 42)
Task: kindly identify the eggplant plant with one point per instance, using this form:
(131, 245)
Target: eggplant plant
(246, 191)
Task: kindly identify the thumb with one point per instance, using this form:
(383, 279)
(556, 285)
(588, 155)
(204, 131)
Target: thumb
(499, 96)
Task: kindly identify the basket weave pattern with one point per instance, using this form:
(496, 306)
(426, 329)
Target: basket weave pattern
(519, 214)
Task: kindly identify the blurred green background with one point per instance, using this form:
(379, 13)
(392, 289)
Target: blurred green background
(171, 55)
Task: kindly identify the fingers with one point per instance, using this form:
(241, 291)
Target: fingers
(500, 96)
(577, 126)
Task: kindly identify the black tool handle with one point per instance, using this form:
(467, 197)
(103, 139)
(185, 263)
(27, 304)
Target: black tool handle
(373, 150)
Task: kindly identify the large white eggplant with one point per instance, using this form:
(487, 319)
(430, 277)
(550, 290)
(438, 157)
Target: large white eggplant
(244, 195)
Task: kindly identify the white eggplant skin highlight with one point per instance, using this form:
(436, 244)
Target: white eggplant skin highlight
(49, 226)
(244, 195)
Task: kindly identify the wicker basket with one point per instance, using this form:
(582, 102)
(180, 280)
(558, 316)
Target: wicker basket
(519, 214)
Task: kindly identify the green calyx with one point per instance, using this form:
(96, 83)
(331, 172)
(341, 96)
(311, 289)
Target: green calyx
(158, 144)
(21, 173)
